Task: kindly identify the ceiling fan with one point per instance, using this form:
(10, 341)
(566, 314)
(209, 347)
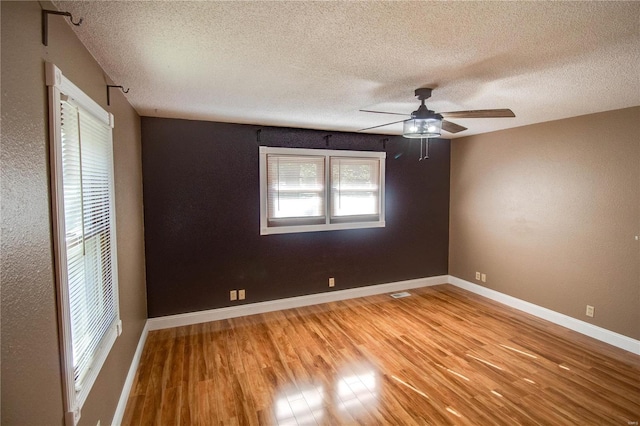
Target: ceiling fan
(425, 123)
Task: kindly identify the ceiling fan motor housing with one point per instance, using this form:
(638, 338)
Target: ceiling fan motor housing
(425, 113)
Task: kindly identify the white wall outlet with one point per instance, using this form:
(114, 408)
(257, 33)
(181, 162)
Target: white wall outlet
(233, 295)
(241, 294)
(484, 278)
(477, 275)
(332, 282)
(590, 311)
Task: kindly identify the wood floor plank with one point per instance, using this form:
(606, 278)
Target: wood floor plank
(442, 356)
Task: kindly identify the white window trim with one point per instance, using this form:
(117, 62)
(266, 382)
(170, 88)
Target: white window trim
(267, 230)
(74, 399)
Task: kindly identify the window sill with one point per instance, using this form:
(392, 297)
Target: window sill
(316, 228)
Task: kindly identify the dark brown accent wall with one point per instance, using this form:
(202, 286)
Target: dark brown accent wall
(202, 216)
(31, 373)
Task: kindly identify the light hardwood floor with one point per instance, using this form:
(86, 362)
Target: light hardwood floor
(441, 356)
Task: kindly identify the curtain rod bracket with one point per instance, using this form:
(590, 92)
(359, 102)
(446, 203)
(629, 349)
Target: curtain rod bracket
(109, 86)
(326, 140)
(45, 22)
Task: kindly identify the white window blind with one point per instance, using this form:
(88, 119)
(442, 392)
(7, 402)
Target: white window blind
(86, 166)
(295, 190)
(355, 189)
(303, 190)
(86, 266)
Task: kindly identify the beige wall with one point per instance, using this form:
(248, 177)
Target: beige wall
(31, 378)
(550, 213)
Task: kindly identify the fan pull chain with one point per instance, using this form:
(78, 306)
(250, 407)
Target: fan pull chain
(426, 149)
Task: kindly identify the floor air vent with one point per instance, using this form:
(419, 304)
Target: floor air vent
(402, 294)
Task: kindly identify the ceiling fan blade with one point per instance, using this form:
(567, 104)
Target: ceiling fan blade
(452, 127)
(382, 112)
(382, 125)
(479, 113)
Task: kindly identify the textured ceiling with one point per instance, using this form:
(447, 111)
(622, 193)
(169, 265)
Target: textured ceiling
(315, 64)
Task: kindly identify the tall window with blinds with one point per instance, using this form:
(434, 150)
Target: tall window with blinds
(305, 190)
(86, 264)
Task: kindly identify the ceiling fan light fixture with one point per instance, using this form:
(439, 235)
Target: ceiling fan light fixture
(416, 128)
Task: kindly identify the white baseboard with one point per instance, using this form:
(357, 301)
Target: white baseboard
(571, 323)
(128, 383)
(599, 333)
(292, 302)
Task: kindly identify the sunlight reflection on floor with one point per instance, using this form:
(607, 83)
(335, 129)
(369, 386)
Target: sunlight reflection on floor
(352, 394)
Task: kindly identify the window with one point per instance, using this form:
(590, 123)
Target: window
(84, 232)
(295, 194)
(303, 190)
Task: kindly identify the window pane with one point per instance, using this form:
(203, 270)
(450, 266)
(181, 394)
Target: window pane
(355, 187)
(72, 184)
(295, 187)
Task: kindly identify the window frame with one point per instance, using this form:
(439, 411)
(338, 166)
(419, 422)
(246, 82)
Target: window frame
(74, 398)
(265, 229)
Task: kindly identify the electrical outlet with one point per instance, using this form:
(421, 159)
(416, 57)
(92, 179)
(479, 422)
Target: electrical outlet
(477, 275)
(233, 295)
(590, 311)
(484, 278)
(241, 294)
(332, 282)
